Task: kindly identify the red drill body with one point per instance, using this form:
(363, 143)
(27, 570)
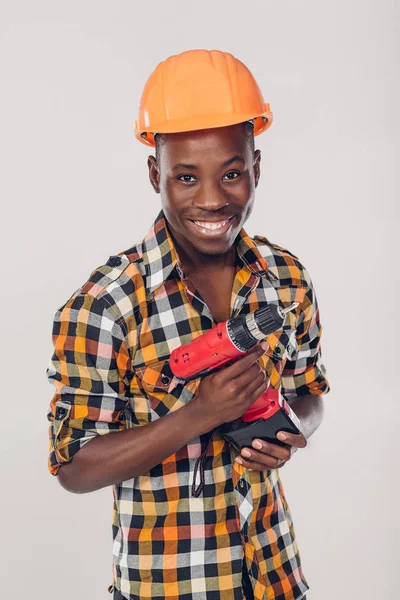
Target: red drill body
(205, 354)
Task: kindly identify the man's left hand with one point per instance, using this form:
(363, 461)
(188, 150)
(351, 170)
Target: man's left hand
(271, 456)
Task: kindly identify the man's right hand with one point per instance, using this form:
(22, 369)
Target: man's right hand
(225, 395)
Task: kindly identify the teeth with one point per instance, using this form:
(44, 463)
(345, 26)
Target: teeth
(206, 225)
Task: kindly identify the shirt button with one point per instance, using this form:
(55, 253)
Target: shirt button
(164, 379)
(114, 261)
(242, 483)
(246, 537)
(278, 350)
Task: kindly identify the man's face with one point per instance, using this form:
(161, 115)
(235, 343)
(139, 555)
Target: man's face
(207, 182)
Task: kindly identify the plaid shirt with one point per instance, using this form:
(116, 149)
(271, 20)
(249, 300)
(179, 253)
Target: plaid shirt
(113, 339)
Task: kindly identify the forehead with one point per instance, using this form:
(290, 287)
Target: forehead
(224, 140)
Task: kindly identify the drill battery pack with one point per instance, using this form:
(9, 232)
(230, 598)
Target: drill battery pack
(276, 416)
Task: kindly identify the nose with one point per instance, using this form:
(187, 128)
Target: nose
(210, 197)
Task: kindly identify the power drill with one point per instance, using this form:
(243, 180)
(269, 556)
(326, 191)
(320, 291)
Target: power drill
(222, 345)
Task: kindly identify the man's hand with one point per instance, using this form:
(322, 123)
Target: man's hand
(263, 455)
(226, 394)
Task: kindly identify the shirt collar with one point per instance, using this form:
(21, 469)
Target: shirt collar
(160, 256)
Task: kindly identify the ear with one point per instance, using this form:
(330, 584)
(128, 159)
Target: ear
(154, 173)
(256, 166)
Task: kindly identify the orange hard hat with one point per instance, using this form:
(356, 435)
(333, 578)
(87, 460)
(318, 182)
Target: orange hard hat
(200, 89)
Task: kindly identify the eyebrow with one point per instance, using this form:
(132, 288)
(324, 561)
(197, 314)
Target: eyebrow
(225, 164)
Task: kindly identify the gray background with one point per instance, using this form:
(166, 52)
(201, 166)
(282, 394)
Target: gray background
(74, 190)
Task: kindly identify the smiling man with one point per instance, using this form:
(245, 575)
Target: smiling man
(192, 518)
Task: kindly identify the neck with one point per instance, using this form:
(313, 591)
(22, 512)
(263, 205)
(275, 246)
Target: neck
(193, 261)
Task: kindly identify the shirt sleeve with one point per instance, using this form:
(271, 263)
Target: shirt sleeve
(305, 373)
(90, 370)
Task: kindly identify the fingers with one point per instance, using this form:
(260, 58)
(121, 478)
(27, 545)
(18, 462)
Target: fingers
(271, 456)
(243, 364)
(259, 462)
(252, 377)
(298, 441)
(257, 383)
(261, 446)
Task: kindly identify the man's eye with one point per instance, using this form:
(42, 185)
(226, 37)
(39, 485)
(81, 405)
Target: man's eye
(187, 178)
(235, 175)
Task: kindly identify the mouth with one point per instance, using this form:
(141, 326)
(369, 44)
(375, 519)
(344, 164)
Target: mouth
(212, 228)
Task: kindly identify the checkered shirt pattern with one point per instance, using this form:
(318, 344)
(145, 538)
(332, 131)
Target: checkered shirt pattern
(112, 342)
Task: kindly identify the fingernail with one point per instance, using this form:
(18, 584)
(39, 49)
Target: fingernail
(246, 453)
(257, 444)
(282, 436)
(239, 460)
(264, 346)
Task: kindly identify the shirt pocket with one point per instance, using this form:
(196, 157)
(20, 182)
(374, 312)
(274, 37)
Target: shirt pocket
(164, 392)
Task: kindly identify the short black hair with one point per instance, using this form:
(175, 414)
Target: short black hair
(159, 138)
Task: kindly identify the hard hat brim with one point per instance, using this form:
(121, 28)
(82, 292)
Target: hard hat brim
(261, 123)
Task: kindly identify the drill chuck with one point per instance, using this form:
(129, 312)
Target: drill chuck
(246, 331)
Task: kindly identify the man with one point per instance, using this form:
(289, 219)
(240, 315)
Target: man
(192, 518)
